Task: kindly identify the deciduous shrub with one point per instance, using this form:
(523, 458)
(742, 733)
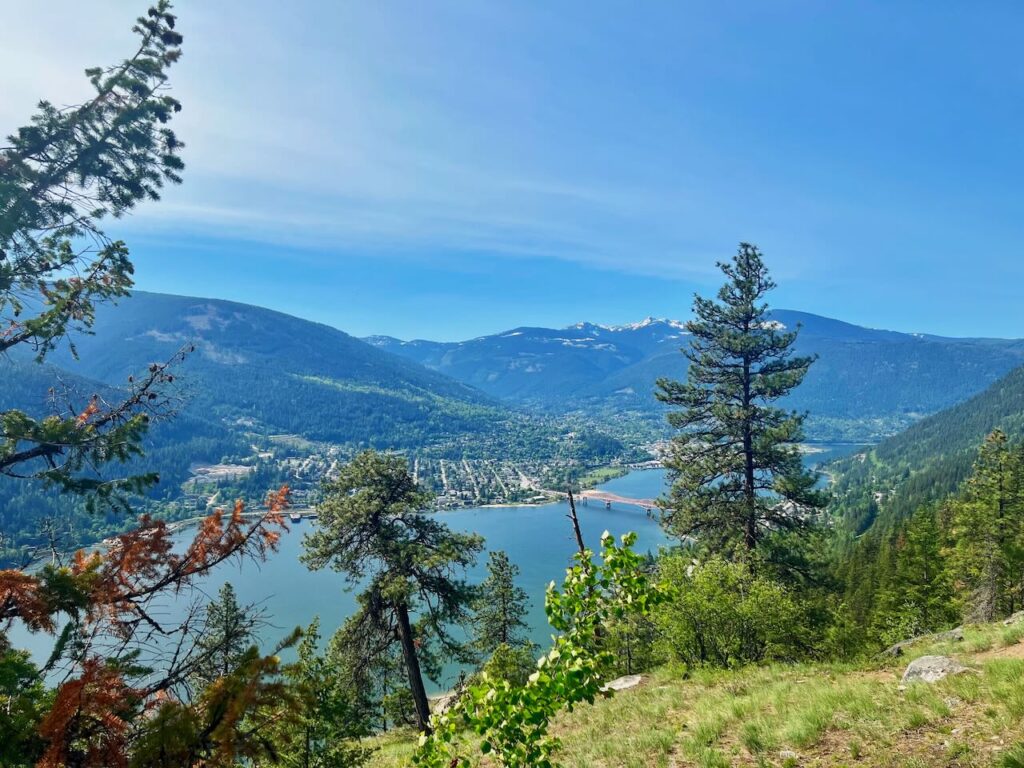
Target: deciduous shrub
(722, 614)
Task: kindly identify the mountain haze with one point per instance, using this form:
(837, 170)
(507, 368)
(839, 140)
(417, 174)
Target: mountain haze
(866, 383)
(261, 370)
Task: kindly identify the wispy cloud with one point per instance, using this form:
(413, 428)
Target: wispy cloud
(295, 137)
(640, 139)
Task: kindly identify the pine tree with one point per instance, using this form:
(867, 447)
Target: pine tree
(374, 529)
(326, 723)
(60, 177)
(1014, 545)
(229, 632)
(736, 471)
(500, 607)
(987, 529)
(917, 597)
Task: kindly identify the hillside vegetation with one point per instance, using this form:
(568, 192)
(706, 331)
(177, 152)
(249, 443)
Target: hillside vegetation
(811, 714)
(275, 373)
(929, 460)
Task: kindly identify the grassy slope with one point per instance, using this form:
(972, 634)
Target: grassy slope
(600, 475)
(807, 715)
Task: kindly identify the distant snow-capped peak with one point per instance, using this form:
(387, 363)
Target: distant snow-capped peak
(645, 323)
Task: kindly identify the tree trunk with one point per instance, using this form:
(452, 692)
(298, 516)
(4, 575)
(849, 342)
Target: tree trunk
(412, 665)
(750, 528)
(1000, 541)
(576, 524)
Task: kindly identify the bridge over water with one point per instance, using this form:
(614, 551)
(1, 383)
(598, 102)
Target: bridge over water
(613, 498)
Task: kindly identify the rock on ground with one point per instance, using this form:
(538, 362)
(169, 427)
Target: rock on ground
(931, 669)
(952, 635)
(622, 683)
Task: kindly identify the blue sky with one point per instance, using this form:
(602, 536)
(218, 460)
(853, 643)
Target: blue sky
(445, 170)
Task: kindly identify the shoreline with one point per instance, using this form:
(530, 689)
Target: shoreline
(557, 497)
(505, 505)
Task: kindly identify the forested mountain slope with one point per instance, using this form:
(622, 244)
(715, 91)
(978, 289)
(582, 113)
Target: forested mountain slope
(260, 370)
(256, 380)
(867, 383)
(930, 459)
(175, 439)
(172, 446)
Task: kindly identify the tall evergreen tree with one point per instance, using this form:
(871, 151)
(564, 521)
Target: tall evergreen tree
(60, 177)
(324, 729)
(917, 596)
(373, 527)
(228, 634)
(735, 466)
(500, 636)
(500, 607)
(987, 530)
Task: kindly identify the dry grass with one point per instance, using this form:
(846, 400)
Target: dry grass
(806, 715)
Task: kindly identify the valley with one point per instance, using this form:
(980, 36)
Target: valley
(496, 420)
(492, 432)
(352, 452)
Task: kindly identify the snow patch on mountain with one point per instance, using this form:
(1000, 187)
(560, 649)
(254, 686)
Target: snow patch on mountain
(647, 322)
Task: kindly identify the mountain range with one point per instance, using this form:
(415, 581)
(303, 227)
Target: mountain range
(865, 384)
(261, 380)
(261, 371)
(258, 370)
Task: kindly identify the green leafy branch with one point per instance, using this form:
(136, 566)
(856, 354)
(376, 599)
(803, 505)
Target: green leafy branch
(513, 721)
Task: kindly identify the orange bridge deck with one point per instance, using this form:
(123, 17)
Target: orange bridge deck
(612, 498)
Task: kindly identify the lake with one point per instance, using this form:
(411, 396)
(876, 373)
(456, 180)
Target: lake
(538, 539)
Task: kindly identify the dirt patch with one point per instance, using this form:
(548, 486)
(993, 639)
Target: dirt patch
(1015, 651)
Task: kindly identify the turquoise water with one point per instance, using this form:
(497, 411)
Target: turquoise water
(537, 539)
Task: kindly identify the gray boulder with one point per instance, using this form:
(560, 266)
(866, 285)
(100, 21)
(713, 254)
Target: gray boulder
(900, 648)
(1014, 618)
(622, 683)
(931, 669)
(952, 635)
